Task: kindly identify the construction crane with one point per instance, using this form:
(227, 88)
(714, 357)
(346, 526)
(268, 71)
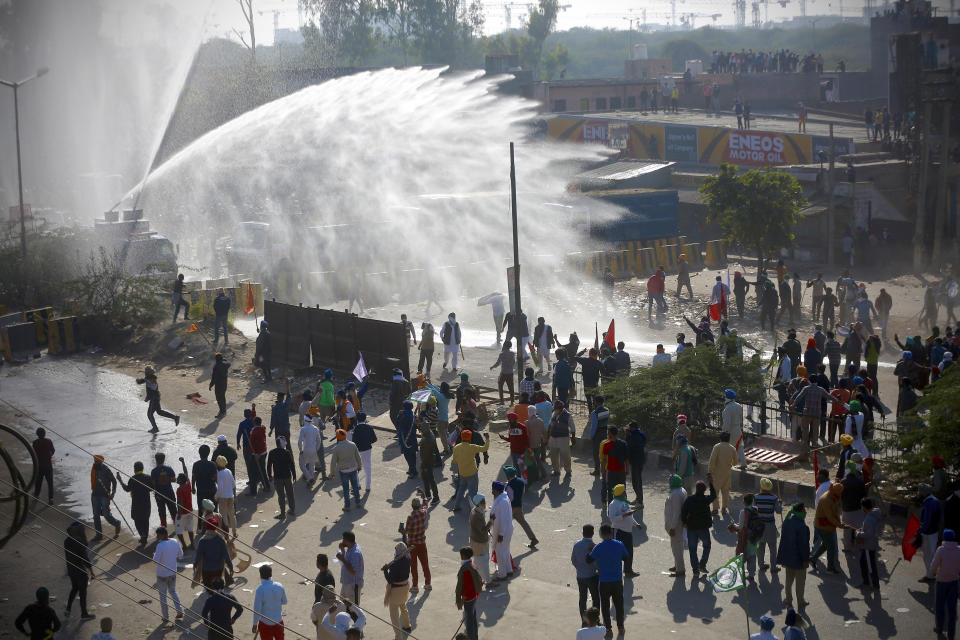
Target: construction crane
(688, 20)
(740, 12)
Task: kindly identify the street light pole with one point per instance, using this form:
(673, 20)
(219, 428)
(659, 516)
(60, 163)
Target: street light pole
(516, 268)
(16, 123)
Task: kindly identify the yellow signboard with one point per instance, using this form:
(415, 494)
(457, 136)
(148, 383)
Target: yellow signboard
(752, 148)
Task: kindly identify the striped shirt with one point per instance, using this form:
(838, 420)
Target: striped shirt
(767, 504)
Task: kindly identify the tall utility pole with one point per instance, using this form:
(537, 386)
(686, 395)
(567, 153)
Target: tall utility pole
(830, 218)
(918, 236)
(516, 268)
(16, 123)
(943, 195)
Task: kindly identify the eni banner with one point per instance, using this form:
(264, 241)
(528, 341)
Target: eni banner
(754, 148)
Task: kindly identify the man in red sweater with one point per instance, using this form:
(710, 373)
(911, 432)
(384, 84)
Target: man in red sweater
(258, 444)
(517, 437)
(469, 586)
(615, 454)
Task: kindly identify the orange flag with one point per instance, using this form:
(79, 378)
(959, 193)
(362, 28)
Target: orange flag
(250, 305)
(193, 327)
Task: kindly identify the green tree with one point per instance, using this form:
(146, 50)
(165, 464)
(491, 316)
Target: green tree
(931, 428)
(756, 210)
(556, 61)
(540, 23)
(398, 17)
(693, 385)
(446, 30)
(341, 32)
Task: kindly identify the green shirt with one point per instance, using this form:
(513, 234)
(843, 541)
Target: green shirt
(326, 395)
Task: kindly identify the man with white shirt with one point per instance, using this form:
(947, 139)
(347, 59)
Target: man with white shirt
(501, 530)
(309, 442)
(268, 604)
(226, 494)
(166, 556)
(337, 626)
(733, 422)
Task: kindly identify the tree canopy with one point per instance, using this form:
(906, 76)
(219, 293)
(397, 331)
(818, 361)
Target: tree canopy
(756, 209)
(356, 32)
(692, 384)
(931, 428)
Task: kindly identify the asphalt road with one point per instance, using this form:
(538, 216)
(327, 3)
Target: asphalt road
(96, 409)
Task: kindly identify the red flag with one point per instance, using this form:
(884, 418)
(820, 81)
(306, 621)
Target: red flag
(250, 304)
(718, 304)
(906, 545)
(610, 339)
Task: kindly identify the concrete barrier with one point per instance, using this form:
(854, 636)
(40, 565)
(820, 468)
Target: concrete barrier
(39, 318)
(694, 255)
(645, 261)
(63, 335)
(716, 254)
(237, 295)
(20, 341)
(668, 256)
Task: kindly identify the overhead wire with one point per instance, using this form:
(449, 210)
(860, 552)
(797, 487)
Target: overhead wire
(197, 513)
(55, 549)
(137, 551)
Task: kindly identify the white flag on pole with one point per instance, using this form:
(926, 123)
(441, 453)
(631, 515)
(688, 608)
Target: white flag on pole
(360, 371)
(421, 396)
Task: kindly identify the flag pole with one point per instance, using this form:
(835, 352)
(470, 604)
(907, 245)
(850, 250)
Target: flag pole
(746, 598)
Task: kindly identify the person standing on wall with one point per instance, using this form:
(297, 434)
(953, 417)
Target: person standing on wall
(221, 309)
(178, 300)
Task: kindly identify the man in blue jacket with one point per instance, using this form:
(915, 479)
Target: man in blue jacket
(562, 377)
(794, 552)
(609, 556)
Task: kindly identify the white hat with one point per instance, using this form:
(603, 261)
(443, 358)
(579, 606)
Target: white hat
(221, 438)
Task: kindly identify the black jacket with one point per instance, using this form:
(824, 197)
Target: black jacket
(280, 464)
(221, 305)
(218, 377)
(854, 490)
(695, 512)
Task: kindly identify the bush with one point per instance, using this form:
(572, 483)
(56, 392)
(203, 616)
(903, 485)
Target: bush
(103, 287)
(692, 384)
(931, 428)
(57, 274)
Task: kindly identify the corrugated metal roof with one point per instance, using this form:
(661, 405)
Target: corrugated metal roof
(623, 170)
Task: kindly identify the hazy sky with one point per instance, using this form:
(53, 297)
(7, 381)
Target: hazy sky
(598, 14)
